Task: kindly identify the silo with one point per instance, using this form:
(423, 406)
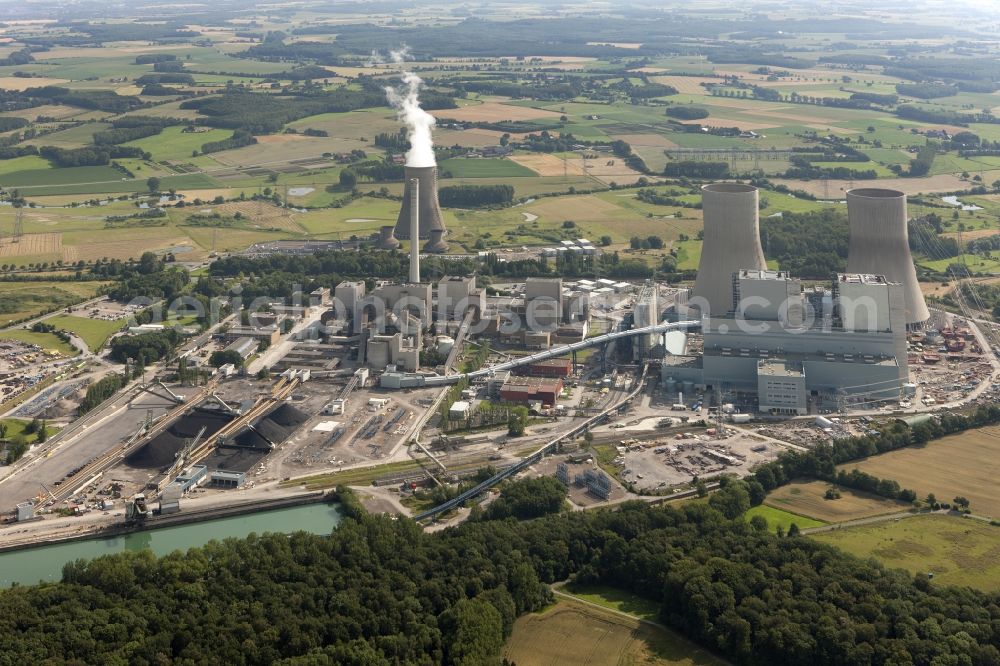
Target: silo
(731, 243)
(880, 245)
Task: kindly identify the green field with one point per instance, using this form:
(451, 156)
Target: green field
(17, 427)
(173, 143)
(777, 518)
(44, 340)
(461, 167)
(94, 332)
(957, 551)
(37, 178)
(19, 300)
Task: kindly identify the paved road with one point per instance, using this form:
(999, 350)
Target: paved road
(871, 520)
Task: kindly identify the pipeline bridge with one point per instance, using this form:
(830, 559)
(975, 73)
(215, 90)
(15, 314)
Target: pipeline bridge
(596, 341)
(537, 455)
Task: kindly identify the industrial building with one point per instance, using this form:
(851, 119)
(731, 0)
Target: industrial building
(848, 341)
(646, 313)
(528, 390)
(552, 367)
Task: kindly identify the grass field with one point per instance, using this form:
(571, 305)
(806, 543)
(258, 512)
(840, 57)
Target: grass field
(94, 332)
(17, 427)
(39, 177)
(571, 633)
(22, 299)
(175, 144)
(806, 498)
(966, 464)
(461, 167)
(779, 518)
(43, 340)
(956, 551)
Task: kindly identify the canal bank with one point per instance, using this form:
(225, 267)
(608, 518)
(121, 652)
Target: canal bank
(44, 562)
(196, 515)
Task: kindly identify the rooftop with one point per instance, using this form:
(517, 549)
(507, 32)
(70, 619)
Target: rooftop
(861, 278)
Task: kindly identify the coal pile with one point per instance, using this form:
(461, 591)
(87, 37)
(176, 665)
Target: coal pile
(160, 452)
(274, 428)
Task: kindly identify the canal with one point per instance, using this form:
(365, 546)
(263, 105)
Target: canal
(31, 565)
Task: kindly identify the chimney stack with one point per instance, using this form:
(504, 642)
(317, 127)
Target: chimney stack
(414, 198)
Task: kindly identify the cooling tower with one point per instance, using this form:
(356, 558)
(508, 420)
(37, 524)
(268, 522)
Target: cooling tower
(430, 212)
(731, 243)
(386, 238)
(880, 245)
(436, 244)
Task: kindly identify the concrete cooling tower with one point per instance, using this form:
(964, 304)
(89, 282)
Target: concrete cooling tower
(386, 238)
(427, 204)
(731, 243)
(880, 245)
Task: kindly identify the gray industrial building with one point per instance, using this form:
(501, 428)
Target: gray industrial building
(785, 344)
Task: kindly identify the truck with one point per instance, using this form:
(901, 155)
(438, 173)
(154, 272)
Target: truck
(742, 418)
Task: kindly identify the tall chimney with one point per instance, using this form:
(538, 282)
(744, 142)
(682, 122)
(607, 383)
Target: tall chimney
(731, 242)
(427, 205)
(879, 245)
(414, 194)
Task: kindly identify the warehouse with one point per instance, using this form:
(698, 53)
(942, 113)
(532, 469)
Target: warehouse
(532, 389)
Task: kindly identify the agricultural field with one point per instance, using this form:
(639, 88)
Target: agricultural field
(780, 518)
(966, 464)
(174, 143)
(484, 168)
(956, 551)
(570, 633)
(806, 498)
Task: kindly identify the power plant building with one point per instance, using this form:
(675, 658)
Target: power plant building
(848, 344)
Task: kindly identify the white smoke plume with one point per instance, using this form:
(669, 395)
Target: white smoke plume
(419, 124)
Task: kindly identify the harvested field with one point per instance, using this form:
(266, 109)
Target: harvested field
(263, 214)
(280, 138)
(31, 245)
(122, 249)
(581, 208)
(687, 85)
(545, 164)
(956, 551)
(18, 83)
(966, 464)
(806, 498)
(836, 188)
(495, 112)
(572, 633)
(743, 125)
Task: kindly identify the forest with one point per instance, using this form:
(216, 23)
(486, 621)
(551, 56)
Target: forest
(381, 591)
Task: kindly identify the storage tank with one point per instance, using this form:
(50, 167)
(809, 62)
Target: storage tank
(879, 245)
(670, 386)
(688, 386)
(731, 243)
(445, 344)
